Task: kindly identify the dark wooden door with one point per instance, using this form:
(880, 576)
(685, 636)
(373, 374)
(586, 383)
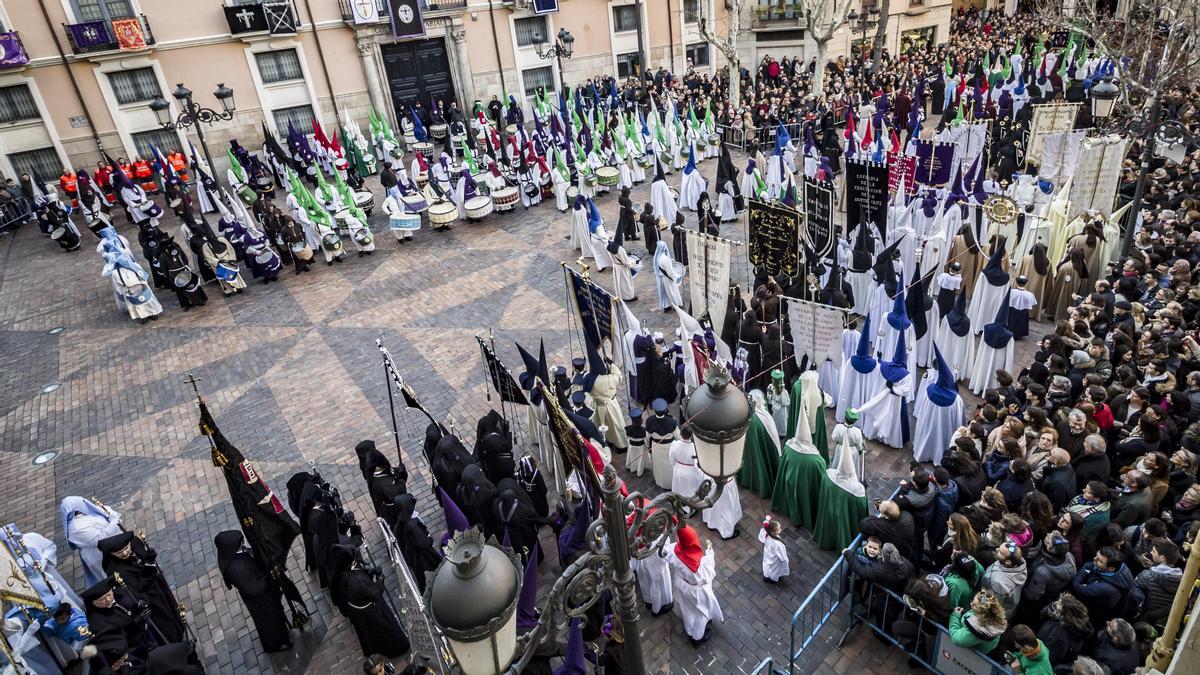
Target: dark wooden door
(417, 70)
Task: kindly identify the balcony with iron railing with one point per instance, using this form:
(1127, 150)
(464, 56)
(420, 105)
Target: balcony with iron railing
(777, 13)
(12, 51)
(427, 7)
(92, 37)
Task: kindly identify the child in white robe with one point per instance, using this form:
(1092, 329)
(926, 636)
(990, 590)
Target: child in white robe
(775, 557)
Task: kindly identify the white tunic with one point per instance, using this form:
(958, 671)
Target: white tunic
(830, 378)
(775, 557)
(935, 429)
(686, 477)
(622, 269)
(668, 278)
(881, 415)
(958, 351)
(86, 531)
(663, 202)
(654, 578)
(856, 388)
(723, 516)
(985, 364)
(985, 302)
(694, 597)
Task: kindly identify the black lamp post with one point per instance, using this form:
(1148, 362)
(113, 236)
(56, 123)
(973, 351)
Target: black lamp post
(473, 595)
(1145, 126)
(193, 114)
(861, 24)
(562, 48)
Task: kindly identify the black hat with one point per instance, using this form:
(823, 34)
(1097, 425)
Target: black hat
(560, 371)
(1124, 304)
(97, 590)
(955, 266)
(115, 542)
(1022, 280)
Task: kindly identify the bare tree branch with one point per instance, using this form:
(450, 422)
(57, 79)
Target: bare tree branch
(727, 45)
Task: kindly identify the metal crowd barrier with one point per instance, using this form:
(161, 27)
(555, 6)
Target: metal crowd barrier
(16, 212)
(931, 645)
(821, 612)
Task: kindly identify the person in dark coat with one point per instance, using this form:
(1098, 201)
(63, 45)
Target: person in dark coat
(475, 496)
(385, 482)
(1116, 647)
(1103, 585)
(114, 612)
(359, 594)
(413, 537)
(130, 557)
(448, 462)
(1064, 630)
(1058, 479)
(891, 526)
(1093, 463)
(534, 483)
(262, 597)
(1136, 502)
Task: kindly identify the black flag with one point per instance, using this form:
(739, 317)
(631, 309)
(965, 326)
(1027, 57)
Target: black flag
(269, 529)
(280, 19)
(500, 377)
(407, 21)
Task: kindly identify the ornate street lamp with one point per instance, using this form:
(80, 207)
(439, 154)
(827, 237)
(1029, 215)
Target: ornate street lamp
(473, 599)
(473, 594)
(1104, 96)
(193, 114)
(562, 48)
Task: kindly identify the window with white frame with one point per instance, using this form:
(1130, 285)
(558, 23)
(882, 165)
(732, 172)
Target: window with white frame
(625, 18)
(530, 30)
(44, 161)
(279, 66)
(17, 104)
(691, 11)
(94, 10)
(533, 78)
(698, 53)
(627, 64)
(301, 117)
(134, 86)
(164, 140)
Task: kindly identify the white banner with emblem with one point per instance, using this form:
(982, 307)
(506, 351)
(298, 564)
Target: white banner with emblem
(816, 330)
(708, 276)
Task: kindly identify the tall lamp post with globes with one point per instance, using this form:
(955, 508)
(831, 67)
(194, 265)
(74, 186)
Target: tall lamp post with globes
(473, 594)
(194, 114)
(562, 48)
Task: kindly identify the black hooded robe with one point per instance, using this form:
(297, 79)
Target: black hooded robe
(413, 537)
(145, 580)
(263, 599)
(516, 516)
(359, 596)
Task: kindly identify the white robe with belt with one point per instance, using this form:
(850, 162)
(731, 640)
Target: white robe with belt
(668, 279)
(881, 415)
(724, 514)
(622, 266)
(694, 597)
(654, 578)
(686, 476)
(606, 409)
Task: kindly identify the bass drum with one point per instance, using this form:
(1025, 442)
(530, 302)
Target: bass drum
(478, 207)
(505, 198)
(415, 203)
(442, 213)
(608, 176)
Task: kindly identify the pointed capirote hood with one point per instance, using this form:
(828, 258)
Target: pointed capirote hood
(994, 270)
(997, 334)
(944, 389)
(862, 361)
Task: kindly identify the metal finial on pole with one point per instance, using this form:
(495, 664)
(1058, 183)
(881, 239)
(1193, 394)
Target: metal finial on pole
(194, 381)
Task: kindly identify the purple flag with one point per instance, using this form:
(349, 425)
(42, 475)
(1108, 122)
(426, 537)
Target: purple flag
(12, 53)
(89, 34)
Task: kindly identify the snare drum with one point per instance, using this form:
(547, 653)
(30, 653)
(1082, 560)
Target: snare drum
(439, 131)
(409, 138)
(263, 257)
(590, 179)
(362, 237)
(442, 213)
(301, 250)
(365, 201)
(608, 176)
(331, 242)
(714, 139)
(505, 199)
(425, 148)
(58, 232)
(226, 271)
(511, 130)
(479, 206)
(247, 194)
(572, 193)
(414, 203)
(645, 161)
(183, 279)
(664, 159)
(422, 179)
(405, 222)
